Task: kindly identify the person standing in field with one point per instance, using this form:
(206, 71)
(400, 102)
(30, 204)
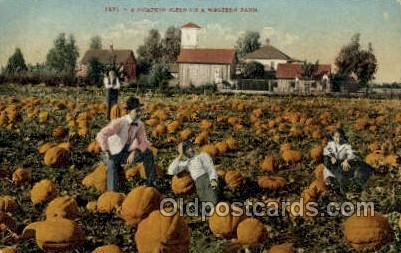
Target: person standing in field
(112, 85)
(124, 141)
(200, 167)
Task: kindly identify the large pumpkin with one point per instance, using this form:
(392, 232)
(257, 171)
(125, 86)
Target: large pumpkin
(109, 202)
(182, 183)
(233, 179)
(56, 157)
(64, 207)
(367, 232)
(97, 179)
(139, 203)
(224, 225)
(55, 234)
(251, 231)
(43, 191)
(158, 233)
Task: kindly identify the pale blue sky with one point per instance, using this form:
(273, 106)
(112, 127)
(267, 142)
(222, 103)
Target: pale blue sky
(304, 29)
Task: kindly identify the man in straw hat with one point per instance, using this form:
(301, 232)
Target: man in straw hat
(124, 140)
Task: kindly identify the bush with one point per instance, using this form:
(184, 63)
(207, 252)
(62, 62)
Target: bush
(254, 70)
(34, 78)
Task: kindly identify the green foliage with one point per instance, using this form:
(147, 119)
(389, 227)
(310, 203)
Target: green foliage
(247, 43)
(95, 42)
(308, 69)
(353, 60)
(62, 58)
(151, 51)
(254, 70)
(95, 71)
(171, 44)
(16, 63)
(158, 75)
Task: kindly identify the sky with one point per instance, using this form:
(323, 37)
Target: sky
(304, 29)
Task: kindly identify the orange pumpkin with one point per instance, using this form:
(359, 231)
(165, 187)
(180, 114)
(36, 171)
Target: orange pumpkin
(171, 234)
(271, 182)
(43, 191)
(139, 203)
(233, 179)
(224, 226)
(251, 231)
(182, 184)
(367, 232)
(97, 179)
(64, 207)
(109, 202)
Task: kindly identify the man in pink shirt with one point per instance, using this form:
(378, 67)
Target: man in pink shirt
(124, 140)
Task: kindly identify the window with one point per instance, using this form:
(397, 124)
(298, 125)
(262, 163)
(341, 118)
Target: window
(313, 85)
(275, 84)
(292, 84)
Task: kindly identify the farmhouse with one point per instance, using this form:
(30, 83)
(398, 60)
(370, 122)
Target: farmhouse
(200, 66)
(269, 56)
(122, 57)
(291, 79)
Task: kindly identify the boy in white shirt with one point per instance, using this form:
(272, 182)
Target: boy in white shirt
(201, 169)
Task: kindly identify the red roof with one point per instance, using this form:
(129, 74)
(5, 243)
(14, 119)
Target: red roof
(290, 70)
(190, 25)
(207, 56)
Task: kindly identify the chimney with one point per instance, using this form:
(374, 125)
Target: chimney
(111, 47)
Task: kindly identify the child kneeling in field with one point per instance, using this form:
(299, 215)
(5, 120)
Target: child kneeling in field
(201, 169)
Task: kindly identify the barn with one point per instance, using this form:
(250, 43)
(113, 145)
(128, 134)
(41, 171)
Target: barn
(122, 57)
(204, 65)
(199, 66)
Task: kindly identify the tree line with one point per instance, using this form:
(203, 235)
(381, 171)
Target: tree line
(154, 56)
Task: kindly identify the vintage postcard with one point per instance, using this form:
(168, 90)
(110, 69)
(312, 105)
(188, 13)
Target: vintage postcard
(157, 126)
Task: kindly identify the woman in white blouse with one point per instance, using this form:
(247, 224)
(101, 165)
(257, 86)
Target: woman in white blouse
(112, 85)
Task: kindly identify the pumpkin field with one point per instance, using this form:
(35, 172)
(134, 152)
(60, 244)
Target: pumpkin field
(53, 183)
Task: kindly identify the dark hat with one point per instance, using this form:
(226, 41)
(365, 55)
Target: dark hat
(132, 103)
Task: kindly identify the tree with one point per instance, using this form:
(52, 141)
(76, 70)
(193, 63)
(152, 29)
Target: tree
(159, 73)
(151, 48)
(309, 69)
(353, 60)
(62, 58)
(95, 42)
(95, 71)
(171, 44)
(16, 63)
(254, 70)
(367, 66)
(247, 43)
